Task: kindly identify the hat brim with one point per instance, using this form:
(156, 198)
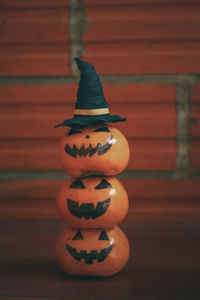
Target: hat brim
(84, 121)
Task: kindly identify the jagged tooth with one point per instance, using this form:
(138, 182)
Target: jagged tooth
(81, 151)
(94, 150)
(75, 150)
(98, 148)
(104, 148)
(85, 152)
(69, 150)
(90, 150)
(111, 141)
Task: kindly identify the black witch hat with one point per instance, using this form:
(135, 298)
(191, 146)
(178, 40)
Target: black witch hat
(91, 107)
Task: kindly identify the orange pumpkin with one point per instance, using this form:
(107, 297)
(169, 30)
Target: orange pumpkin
(97, 252)
(92, 202)
(94, 150)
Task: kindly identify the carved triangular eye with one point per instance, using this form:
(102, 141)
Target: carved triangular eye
(103, 185)
(78, 236)
(73, 131)
(102, 129)
(77, 184)
(103, 236)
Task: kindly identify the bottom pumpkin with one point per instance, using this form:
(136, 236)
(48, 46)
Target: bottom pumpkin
(94, 252)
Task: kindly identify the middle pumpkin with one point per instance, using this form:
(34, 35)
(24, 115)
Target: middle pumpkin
(92, 202)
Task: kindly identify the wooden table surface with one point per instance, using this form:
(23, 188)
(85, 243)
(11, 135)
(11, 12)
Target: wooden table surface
(164, 264)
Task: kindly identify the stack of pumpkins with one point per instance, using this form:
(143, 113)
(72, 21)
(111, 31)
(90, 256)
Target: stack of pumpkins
(92, 202)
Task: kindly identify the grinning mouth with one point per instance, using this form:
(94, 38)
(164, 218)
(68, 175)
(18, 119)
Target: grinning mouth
(74, 151)
(87, 210)
(89, 257)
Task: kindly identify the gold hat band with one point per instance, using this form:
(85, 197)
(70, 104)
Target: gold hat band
(91, 112)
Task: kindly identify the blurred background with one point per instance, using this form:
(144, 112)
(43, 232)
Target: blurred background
(147, 53)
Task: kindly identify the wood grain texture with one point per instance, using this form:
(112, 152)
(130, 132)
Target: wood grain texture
(164, 262)
(28, 115)
(143, 39)
(150, 200)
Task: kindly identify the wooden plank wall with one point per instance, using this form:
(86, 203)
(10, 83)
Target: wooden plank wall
(147, 53)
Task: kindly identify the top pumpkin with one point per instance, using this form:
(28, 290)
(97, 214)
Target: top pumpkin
(92, 147)
(94, 150)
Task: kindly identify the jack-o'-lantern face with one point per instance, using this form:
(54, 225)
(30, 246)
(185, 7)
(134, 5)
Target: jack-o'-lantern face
(94, 150)
(100, 252)
(92, 202)
(93, 254)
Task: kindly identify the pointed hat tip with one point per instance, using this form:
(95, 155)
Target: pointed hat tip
(82, 64)
(78, 59)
